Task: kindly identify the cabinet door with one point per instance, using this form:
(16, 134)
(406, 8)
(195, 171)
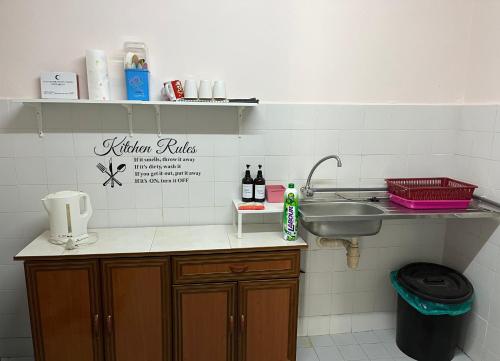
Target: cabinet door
(136, 309)
(64, 308)
(268, 320)
(204, 322)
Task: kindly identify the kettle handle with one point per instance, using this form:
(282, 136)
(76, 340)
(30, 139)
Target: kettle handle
(88, 207)
(45, 205)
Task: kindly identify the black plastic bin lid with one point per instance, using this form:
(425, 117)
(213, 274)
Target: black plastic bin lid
(435, 283)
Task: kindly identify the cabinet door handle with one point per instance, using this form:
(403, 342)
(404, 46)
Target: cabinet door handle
(109, 324)
(96, 325)
(231, 324)
(238, 268)
(242, 323)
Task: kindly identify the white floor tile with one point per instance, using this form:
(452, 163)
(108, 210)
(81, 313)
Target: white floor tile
(304, 342)
(386, 335)
(366, 337)
(378, 345)
(322, 341)
(352, 353)
(375, 351)
(306, 354)
(393, 350)
(341, 339)
(328, 353)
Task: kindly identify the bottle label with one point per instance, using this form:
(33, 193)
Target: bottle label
(260, 191)
(247, 191)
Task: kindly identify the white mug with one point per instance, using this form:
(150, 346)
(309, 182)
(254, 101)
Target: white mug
(205, 91)
(219, 90)
(190, 89)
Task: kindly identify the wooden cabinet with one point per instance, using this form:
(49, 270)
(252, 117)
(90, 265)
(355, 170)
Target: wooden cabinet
(65, 310)
(136, 309)
(257, 318)
(226, 307)
(268, 317)
(205, 322)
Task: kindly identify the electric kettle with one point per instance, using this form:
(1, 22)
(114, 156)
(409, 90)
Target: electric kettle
(69, 214)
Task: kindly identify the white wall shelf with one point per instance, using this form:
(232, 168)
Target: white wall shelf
(268, 209)
(36, 104)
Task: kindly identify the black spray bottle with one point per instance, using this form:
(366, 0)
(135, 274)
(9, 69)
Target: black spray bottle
(247, 186)
(259, 189)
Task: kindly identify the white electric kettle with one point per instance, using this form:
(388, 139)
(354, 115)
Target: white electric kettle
(68, 219)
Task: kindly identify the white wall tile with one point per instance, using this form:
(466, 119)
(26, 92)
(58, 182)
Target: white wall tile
(58, 145)
(8, 171)
(148, 196)
(201, 215)
(61, 170)
(30, 197)
(175, 216)
(31, 170)
(29, 145)
(9, 199)
(150, 217)
(201, 194)
(175, 195)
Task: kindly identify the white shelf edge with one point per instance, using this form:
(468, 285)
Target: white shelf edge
(131, 102)
(270, 208)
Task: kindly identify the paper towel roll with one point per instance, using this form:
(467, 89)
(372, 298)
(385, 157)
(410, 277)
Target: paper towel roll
(97, 74)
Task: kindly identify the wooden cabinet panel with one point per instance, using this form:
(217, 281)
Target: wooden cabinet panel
(268, 320)
(204, 322)
(64, 309)
(136, 309)
(236, 266)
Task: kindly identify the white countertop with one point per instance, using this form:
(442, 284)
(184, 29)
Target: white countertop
(151, 240)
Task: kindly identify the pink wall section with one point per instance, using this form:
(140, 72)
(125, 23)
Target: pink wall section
(282, 50)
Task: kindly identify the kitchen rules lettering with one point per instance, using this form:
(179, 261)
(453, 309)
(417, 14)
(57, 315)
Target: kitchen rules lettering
(166, 160)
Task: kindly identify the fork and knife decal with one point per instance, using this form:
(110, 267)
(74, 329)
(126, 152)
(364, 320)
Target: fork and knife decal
(111, 173)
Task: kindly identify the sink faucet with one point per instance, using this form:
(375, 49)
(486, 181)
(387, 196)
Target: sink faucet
(307, 189)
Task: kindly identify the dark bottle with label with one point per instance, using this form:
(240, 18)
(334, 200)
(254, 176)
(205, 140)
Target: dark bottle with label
(247, 186)
(259, 189)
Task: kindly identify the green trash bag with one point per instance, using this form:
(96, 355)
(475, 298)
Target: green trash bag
(430, 308)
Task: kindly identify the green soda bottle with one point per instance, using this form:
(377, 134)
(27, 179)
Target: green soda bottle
(290, 213)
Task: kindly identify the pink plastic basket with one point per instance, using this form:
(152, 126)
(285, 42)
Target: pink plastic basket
(430, 189)
(274, 193)
(431, 204)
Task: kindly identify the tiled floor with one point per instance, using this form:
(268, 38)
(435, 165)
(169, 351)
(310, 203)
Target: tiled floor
(377, 345)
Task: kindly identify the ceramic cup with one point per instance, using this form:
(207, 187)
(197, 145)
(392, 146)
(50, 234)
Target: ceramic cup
(190, 89)
(205, 91)
(219, 90)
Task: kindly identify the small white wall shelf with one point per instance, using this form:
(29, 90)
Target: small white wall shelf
(269, 208)
(36, 104)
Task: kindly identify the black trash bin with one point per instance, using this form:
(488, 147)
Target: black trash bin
(432, 303)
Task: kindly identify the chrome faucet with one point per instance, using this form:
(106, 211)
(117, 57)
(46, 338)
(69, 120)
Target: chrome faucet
(307, 188)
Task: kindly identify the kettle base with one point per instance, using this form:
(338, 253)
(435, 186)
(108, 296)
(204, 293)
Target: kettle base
(59, 240)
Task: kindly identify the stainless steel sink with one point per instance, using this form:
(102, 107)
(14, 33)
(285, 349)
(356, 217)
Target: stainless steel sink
(340, 218)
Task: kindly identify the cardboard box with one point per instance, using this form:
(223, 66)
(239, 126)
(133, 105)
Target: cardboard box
(59, 85)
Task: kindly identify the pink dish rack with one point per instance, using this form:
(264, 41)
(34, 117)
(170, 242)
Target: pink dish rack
(430, 193)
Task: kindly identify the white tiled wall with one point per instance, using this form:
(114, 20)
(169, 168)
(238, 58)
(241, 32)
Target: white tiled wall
(335, 299)
(474, 247)
(374, 142)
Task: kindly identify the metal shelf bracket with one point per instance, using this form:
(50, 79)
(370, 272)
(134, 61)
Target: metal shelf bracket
(130, 117)
(240, 119)
(158, 119)
(38, 116)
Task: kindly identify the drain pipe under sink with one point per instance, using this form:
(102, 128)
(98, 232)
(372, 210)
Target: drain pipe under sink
(351, 246)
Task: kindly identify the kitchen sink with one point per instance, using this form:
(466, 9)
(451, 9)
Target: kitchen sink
(340, 218)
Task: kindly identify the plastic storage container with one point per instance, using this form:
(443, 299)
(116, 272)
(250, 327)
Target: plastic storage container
(137, 81)
(274, 193)
(432, 303)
